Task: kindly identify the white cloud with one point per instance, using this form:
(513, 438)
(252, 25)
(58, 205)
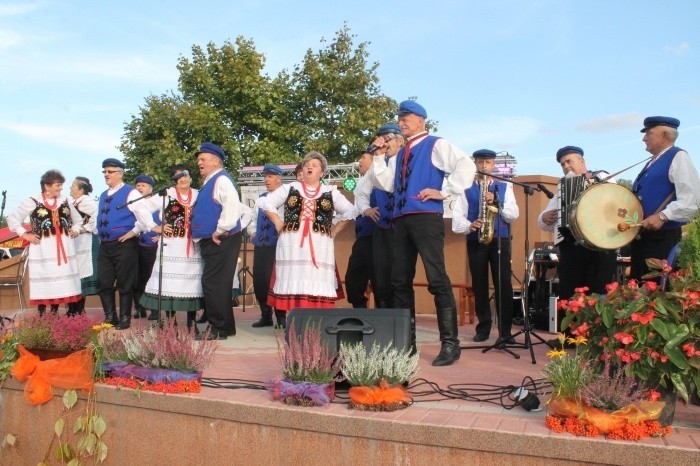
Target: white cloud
(680, 49)
(79, 138)
(611, 123)
(15, 9)
(500, 132)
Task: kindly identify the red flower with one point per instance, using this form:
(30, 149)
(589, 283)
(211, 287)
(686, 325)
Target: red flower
(654, 395)
(582, 330)
(651, 286)
(689, 349)
(624, 338)
(610, 287)
(581, 289)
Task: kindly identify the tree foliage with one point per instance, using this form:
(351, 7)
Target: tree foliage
(331, 102)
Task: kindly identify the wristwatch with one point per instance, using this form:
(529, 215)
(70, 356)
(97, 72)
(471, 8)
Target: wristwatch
(663, 217)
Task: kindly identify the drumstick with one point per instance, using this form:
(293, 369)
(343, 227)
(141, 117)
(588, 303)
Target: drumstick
(627, 226)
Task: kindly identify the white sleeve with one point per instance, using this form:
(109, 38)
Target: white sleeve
(460, 223)
(510, 211)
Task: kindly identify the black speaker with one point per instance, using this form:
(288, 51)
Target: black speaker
(354, 325)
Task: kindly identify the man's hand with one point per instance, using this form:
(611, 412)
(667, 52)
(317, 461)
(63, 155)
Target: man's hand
(372, 212)
(126, 236)
(549, 217)
(476, 224)
(215, 237)
(653, 222)
(429, 193)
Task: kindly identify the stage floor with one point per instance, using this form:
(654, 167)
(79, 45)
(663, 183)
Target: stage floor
(245, 362)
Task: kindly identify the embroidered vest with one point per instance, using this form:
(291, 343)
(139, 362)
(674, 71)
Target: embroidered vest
(112, 222)
(42, 222)
(419, 173)
(652, 186)
(323, 220)
(206, 211)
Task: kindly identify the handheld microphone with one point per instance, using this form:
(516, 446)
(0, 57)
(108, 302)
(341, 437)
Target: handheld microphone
(4, 196)
(179, 175)
(546, 191)
(387, 137)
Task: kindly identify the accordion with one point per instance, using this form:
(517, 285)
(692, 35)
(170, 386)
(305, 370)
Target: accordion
(570, 189)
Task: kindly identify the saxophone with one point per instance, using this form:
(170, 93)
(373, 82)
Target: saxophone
(487, 214)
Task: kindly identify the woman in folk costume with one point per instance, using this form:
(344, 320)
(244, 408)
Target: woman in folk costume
(54, 277)
(305, 259)
(181, 287)
(86, 243)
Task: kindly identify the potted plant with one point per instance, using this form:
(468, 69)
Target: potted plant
(163, 359)
(51, 336)
(591, 400)
(310, 369)
(377, 376)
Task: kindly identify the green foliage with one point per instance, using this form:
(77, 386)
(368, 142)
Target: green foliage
(363, 368)
(89, 427)
(689, 256)
(331, 102)
(568, 373)
(8, 354)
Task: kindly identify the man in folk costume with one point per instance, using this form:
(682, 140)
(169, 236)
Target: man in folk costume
(669, 191)
(216, 225)
(118, 210)
(148, 245)
(425, 172)
(488, 249)
(264, 238)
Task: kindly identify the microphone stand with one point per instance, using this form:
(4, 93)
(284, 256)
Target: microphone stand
(163, 192)
(2, 209)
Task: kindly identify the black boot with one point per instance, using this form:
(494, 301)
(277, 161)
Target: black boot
(41, 308)
(54, 309)
(266, 319)
(414, 346)
(447, 323)
(191, 321)
(139, 310)
(203, 318)
(109, 307)
(81, 305)
(153, 315)
(73, 309)
(124, 312)
(281, 317)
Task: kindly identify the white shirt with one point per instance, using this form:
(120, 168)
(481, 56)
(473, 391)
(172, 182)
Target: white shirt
(684, 176)
(445, 156)
(509, 212)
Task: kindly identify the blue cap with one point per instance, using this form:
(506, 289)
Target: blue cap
(484, 154)
(145, 179)
(652, 121)
(271, 169)
(211, 148)
(410, 106)
(391, 128)
(566, 150)
(113, 163)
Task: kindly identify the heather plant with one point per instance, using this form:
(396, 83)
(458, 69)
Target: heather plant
(612, 389)
(49, 331)
(34, 331)
(156, 347)
(368, 368)
(305, 358)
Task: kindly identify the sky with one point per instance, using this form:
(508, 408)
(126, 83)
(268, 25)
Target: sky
(522, 77)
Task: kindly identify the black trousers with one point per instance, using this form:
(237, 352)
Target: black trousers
(579, 267)
(651, 245)
(383, 257)
(217, 281)
(116, 264)
(263, 265)
(422, 234)
(360, 272)
(147, 257)
(481, 257)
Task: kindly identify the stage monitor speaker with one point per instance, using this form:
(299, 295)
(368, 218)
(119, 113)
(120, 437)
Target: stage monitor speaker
(355, 325)
(554, 320)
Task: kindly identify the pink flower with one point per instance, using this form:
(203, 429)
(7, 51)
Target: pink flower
(581, 289)
(582, 330)
(689, 349)
(654, 395)
(610, 287)
(651, 286)
(591, 302)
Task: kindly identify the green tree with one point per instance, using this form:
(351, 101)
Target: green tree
(331, 103)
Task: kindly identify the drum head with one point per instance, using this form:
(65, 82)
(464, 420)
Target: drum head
(598, 212)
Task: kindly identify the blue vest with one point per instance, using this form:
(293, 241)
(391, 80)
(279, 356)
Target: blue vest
(384, 201)
(266, 233)
(500, 227)
(420, 174)
(146, 238)
(206, 211)
(112, 222)
(364, 226)
(652, 186)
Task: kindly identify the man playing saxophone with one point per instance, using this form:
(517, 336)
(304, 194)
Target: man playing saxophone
(484, 213)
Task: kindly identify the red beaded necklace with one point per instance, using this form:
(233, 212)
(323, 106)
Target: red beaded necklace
(310, 192)
(46, 202)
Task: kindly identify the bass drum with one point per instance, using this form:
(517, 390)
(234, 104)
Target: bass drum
(596, 213)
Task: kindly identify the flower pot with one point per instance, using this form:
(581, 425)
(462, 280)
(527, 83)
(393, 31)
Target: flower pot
(669, 397)
(49, 353)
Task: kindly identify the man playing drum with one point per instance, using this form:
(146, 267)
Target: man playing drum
(579, 266)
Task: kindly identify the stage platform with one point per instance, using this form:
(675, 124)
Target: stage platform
(237, 422)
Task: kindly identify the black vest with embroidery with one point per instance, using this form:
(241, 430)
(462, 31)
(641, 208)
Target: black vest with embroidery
(322, 222)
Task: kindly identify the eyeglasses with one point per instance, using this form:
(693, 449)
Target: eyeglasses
(109, 172)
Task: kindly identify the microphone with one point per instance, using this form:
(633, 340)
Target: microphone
(179, 175)
(4, 196)
(387, 137)
(546, 191)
